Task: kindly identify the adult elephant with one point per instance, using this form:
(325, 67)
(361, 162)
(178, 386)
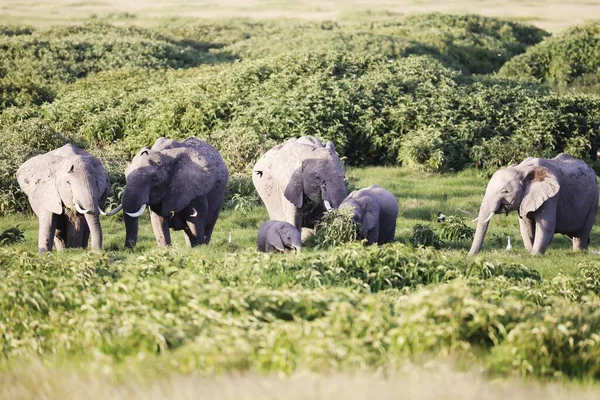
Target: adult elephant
(67, 190)
(183, 183)
(559, 195)
(299, 180)
(375, 209)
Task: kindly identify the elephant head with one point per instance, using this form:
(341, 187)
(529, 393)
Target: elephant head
(167, 180)
(522, 187)
(317, 174)
(67, 178)
(365, 211)
(284, 237)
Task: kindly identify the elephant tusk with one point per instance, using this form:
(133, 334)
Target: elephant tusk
(101, 211)
(490, 217)
(111, 213)
(475, 220)
(327, 205)
(138, 213)
(81, 210)
(194, 214)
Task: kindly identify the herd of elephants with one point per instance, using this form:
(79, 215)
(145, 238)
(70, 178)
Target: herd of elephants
(183, 184)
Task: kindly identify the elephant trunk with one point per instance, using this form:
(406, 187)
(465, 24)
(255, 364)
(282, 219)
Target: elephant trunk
(134, 203)
(85, 199)
(486, 211)
(334, 195)
(93, 222)
(131, 231)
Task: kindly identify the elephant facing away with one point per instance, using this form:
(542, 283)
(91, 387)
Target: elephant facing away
(278, 236)
(299, 180)
(558, 195)
(67, 190)
(375, 209)
(183, 184)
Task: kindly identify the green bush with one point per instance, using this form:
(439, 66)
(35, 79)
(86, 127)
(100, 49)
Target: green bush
(317, 311)
(34, 61)
(424, 235)
(471, 43)
(570, 59)
(335, 228)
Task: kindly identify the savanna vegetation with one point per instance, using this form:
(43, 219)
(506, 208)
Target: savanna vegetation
(424, 105)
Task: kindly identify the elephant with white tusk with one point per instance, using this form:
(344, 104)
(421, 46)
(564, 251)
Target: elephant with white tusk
(278, 236)
(375, 209)
(67, 190)
(558, 195)
(182, 183)
(299, 180)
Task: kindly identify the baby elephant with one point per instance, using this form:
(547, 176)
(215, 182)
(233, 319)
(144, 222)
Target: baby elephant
(375, 210)
(278, 236)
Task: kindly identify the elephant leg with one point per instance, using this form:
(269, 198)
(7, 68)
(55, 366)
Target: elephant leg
(60, 233)
(75, 227)
(545, 223)
(582, 240)
(195, 233)
(527, 227)
(373, 235)
(160, 226)
(292, 214)
(46, 230)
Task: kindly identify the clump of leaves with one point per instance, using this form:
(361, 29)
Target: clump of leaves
(337, 227)
(12, 235)
(454, 228)
(423, 235)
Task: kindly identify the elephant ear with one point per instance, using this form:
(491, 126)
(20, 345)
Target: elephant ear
(288, 175)
(275, 239)
(371, 217)
(37, 179)
(192, 175)
(102, 180)
(540, 185)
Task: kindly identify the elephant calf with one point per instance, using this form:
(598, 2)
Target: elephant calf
(67, 189)
(558, 195)
(278, 236)
(375, 210)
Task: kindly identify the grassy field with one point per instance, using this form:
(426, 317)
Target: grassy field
(425, 105)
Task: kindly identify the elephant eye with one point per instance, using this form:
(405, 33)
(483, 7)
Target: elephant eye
(504, 191)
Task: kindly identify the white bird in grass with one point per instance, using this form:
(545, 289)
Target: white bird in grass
(508, 246)
(441, 217)
(229, 240)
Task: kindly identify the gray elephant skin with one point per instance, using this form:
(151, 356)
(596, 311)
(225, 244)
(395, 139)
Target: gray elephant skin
(558, 195)
(299, 179)
(375, 209)
(183, 184)
(278, 236)
(67, 190)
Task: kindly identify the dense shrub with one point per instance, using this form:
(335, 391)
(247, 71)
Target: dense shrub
(471, 43)
(254, 311)
(571, 58)
(375, 110)
(35, 59)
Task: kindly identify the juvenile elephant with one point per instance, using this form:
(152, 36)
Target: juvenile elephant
(299, 180)
(183, 184)
(375, 210)
(67, 190)
(558, 195)
(278, 236)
